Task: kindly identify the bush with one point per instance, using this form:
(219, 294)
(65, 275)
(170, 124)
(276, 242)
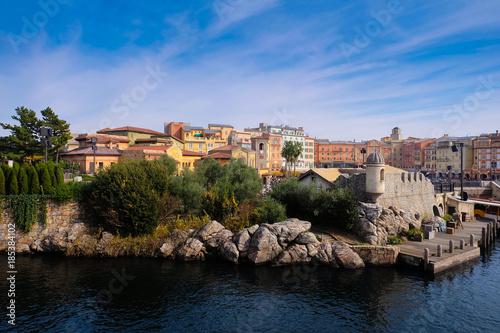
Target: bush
(447, 217)
(394, 240)
(12, 185)
(45, 180)
(2, 182)
(33, 181)
(268, 211)
(62, 193)
(23, 180)
(52, 172)
(59, 175)
(126, 197)
(412, 232)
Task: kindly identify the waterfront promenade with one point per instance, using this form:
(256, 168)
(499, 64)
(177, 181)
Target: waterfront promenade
(413, 253)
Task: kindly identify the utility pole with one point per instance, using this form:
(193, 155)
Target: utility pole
(94, 148)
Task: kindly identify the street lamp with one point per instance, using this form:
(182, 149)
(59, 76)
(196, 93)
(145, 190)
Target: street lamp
(363, 151)
(455, 148)
(494, 165)
(46, 133)
(94, 148)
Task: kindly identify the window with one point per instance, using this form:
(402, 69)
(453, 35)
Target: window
(210, 145)
(101, 165)
(190, 145)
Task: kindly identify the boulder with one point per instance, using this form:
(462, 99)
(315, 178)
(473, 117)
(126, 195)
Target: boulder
(242, 240)
(294, 254)
(206, 231)
(326, 256)
(251, 230)
(264, 246)
(167, 249)
(192, 249)
(306, 238)
(312, 249)
(370, 211)
(345, 256)
(288, 230)
(76, 232)
(216, 240)
(229, 252)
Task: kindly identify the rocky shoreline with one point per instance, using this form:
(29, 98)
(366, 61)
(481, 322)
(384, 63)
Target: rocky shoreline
(284, 243)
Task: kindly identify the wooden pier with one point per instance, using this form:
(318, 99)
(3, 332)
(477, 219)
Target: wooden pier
(448, 250)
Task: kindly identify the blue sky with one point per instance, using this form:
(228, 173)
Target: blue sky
(341, 69)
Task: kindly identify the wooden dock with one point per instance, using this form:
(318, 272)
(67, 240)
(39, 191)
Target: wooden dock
(414, 253)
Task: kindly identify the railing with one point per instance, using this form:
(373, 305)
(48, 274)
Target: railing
(444, 187)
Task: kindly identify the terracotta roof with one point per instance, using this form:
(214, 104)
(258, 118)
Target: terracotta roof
(102, 138)
(226, 148)
(219, 156)
(101, 151)
(164, 148)
(153, 140)
(132, 129)
(192, 153)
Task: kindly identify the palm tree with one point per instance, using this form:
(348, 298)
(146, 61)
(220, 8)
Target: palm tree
(291, 152)
(297, 151)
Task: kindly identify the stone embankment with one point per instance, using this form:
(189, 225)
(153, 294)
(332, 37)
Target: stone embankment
(284, 243)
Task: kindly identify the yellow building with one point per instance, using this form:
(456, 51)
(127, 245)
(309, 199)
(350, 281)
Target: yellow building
(447, 161)
(201, 140)
(248, 156)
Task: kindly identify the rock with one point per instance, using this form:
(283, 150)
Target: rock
(346, 257)
(252, 229)
(216, 240)
(326, 256)
(369, 228)
(76, 232)
(242, 240)
(208, 230)
(312, 249)
(103, 243)
(306, 238)
(287, 230)
(53, 244)
(372, 240)
(167, 249)
(370, 211)
(264, 246)
(192, 249)
(293, 255)
(228, 251)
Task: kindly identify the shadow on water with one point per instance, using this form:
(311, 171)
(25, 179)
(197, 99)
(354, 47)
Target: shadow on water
(136, 294)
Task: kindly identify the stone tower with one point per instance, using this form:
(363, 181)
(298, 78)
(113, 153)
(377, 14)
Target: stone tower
(396, 134)
(375, 176)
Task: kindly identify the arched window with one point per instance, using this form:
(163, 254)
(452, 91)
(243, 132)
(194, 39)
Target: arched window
(382, 174)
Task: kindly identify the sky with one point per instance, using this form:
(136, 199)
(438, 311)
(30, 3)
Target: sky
(343, 70)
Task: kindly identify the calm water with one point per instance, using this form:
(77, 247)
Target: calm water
(82, 295)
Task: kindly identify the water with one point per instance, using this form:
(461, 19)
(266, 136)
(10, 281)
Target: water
(57, 294)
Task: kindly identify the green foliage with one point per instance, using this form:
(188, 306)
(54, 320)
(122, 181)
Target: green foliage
(60, 131)
(24, 137)
(59, 175)
(33, 181)
(45, 180)
(170, 163)
(13, 187)
(189, 189)
(51, 168)
(332, 208)
(2, 182)
(393, 240)
(219, 201)
(268, 211)
(25, 208)
(80, 191)
(291, 151)
(23, 181)
(412, 232)
(62, 193)
(447, 217)
(126, 197)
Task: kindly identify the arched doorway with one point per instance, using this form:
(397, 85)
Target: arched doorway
(435, 211)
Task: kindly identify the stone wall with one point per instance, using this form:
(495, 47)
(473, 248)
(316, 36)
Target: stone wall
(406, 191)
(61, 219)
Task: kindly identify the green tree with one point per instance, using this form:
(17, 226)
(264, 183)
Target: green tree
(2, 182)
(45, 180)
(52, 172)
(33, 181)
(190, 190)
(22, 180)
(268, 211)
(13, 187)
(60, 131)
(170, 163)
(59, 174)
(126, 198)
(24, 138)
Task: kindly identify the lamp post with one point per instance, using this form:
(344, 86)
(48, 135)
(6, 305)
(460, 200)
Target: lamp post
(455, 149)
(494, 165)
(94, 148)
(46, 133)
(363, 151)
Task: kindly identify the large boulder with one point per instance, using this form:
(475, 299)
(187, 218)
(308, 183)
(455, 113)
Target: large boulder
(288, 230)
(216, 240)
(338, 254)
(306, 238)
(192, 249)
(326, 256)
(264, 246)
(294, 254)
(206, 231)
(229, 252)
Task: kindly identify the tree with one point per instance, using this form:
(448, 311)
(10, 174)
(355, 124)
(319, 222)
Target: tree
(52, 172)
(24, 138)
(170, 163)
(45, 181)
(13, 185)
(60, 130)
(22, 180)
(2, 182)
(33, 181)
(291, 151)
(59, 174)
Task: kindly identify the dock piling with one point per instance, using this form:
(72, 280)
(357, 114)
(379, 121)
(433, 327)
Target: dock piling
(426, 258)
(483, 234)
(452, 247)
(439, 250)
(462, 244)
(472, 240)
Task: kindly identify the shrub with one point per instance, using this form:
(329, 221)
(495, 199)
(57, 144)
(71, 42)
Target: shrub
(13, 187)
(45, 179)
(23, 180)
(394, 240)
(170, 163)
(447, 217)
(2, 182)
(33, 181)
(126, 197)
(268, 211)
(62, 193)
(188, 188)
(412, 232)
(59, 175)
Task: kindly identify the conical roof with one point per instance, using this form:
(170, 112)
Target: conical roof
(375, 158)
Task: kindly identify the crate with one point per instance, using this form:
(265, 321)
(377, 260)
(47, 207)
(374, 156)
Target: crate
(430, 234)
(450, 230)
(451, 224)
